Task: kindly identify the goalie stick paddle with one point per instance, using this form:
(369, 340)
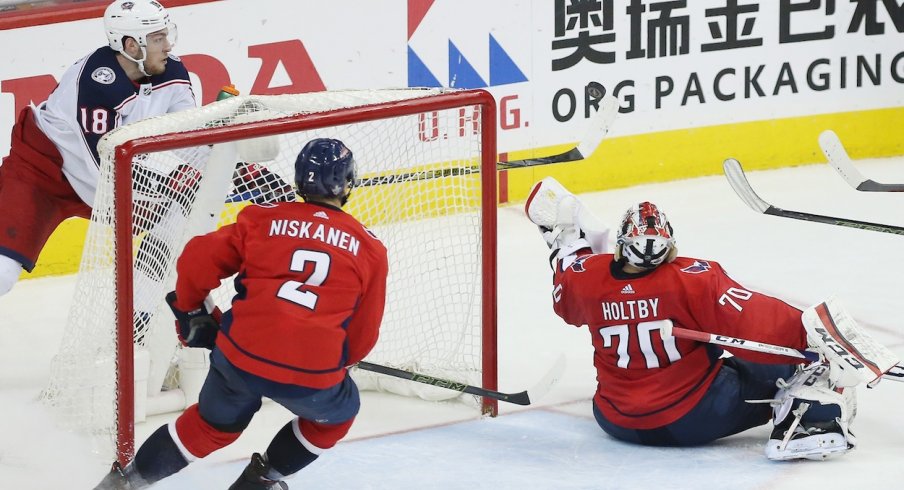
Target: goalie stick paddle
(597, 130)
(520, 398)
(839, 160)
(742, 188)
(896, 373)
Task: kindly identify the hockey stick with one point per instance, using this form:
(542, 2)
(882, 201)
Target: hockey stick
(896, 373)
(839, 160)
(597, 130)
(741, 186)
(520, 398)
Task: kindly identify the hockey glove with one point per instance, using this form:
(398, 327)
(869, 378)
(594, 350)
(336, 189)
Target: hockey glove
(181, 184)
(195, 328)
(254, 182)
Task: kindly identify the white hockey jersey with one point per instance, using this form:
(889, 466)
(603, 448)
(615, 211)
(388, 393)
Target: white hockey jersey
(95, 96)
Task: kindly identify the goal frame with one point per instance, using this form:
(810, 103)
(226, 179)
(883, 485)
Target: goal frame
(122, 193)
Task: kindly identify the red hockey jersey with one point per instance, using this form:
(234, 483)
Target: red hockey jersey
(311, 288)
(643, 381)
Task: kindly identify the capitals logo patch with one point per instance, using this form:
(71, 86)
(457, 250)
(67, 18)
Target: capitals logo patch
(698, 267)
(578, 264)
(104, 75)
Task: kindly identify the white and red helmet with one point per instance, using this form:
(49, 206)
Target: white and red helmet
(645, 238)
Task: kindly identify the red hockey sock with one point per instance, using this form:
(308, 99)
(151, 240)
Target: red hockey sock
(198, 437)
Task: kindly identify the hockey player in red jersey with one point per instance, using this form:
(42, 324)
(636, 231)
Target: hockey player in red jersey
(311, 287)
(660, 390)
(51, 172)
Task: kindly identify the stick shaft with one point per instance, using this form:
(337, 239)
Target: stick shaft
(896, 373)
(520, 398)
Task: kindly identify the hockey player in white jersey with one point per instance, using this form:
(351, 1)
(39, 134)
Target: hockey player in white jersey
(52, 169)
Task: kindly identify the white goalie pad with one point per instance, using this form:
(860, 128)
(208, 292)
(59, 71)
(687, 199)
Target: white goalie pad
(795, 439)
(855, 357)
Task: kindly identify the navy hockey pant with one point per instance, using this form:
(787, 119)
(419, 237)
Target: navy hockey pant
(721, 412)
(230, 397)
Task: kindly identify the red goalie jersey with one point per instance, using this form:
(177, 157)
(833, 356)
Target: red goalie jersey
(643, 381)
(311, 288)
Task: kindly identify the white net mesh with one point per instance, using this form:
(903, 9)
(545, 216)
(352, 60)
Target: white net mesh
(419, 192)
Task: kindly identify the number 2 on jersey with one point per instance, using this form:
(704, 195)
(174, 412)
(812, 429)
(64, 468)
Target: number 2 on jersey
(292, 290)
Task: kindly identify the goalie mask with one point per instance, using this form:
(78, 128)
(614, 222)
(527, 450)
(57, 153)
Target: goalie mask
(323, 168)
(645, 237)
(136, 19)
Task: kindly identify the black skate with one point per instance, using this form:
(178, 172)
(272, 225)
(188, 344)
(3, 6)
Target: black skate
(118, 479)
(255, 477)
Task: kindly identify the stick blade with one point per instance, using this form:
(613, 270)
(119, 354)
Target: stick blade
(599, 126)
(738, 181)
(839, 159)
(895, 374)
(549, 380)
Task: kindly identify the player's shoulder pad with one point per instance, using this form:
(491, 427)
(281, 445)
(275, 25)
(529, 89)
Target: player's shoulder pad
(371, 233)
(102, 82)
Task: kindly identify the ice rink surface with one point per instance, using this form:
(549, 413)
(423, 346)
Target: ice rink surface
(399, 443)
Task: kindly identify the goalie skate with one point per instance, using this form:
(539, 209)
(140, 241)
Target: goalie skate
(816, 442)
(812, 419)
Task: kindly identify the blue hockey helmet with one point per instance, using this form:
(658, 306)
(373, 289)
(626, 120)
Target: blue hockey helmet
(323, 168)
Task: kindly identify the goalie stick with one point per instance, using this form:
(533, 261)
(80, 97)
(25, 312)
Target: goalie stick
(597, 130)
(520, 398)
(896, 373)
(742, 188)
(839, 160)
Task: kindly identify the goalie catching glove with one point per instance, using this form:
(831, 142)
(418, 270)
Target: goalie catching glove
(196, 328)
(565, 223)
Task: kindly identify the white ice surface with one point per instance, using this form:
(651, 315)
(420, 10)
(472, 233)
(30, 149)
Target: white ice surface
(555, 444)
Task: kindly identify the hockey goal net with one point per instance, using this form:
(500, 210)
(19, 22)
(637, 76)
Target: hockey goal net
(163, 180)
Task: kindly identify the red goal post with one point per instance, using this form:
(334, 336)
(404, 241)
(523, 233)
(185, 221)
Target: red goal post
(427, 171)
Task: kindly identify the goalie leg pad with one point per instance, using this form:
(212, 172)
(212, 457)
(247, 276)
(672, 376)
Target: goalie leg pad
(812, 420)
(855, 357)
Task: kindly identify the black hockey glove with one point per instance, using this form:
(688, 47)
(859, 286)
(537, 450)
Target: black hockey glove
(196, 328)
